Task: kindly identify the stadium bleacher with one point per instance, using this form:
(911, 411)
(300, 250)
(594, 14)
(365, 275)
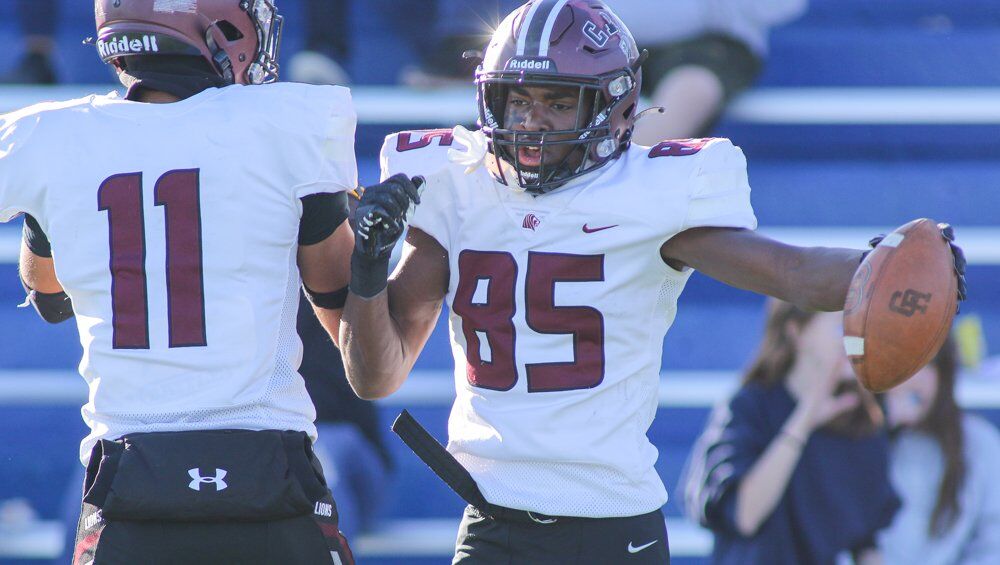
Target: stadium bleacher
(826, 164)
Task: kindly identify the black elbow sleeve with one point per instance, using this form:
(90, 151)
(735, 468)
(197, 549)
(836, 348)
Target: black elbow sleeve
(53, 308)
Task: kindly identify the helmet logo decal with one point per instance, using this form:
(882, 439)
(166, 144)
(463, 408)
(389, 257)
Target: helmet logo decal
(600, 36)
(531, 64)
(122, 44)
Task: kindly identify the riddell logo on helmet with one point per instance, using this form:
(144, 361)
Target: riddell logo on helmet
(531, 65)
(119, 45)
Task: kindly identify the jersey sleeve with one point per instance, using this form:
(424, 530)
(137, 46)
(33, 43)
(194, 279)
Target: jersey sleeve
(720, 189)
(330, 146)
(423, 153)
(15, 180)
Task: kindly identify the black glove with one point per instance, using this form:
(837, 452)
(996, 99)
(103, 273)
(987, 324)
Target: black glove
(948, 233)
(380, 220)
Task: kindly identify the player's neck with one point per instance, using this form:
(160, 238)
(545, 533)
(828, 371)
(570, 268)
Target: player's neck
(157, 97)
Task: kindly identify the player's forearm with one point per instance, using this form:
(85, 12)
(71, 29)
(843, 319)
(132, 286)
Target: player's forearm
(818, 277)
(814, 278)
(373, 348)
(330, 320)
(764, 485)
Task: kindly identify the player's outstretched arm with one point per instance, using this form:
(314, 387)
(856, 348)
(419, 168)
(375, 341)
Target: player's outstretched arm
(815, 278)
(383, 332)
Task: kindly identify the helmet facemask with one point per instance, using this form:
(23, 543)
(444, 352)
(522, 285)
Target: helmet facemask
(268, 24)
(594, 143)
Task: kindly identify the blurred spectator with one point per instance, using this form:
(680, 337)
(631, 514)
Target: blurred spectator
(795, 468)
(702, 54)
(458, 27)
(944, 465)
(350, 444)
(37, 19)
(328, 42)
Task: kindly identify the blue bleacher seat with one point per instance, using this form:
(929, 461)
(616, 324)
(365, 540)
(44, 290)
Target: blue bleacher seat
(838, 42)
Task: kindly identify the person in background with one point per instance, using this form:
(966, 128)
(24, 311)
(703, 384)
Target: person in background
(702, 54)
(350, 444)
(327, 46)
(795, 468)
(37, 19)
(944, 463)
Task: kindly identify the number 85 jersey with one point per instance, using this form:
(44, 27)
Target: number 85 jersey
(559, 304)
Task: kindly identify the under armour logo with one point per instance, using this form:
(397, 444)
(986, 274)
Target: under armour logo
(197, 479)
(909, 303)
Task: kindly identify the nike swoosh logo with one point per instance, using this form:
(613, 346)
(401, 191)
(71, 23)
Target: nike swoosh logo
(633, 549)
(588, 229)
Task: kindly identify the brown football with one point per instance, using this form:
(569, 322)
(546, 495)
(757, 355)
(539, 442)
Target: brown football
(900, 305)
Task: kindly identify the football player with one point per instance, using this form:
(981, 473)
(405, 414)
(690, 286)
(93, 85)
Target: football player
(174, 223)
(561, 250)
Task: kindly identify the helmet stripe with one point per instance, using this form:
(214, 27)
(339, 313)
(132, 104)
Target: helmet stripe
(533, 27)
(522, 37)
(546, 39)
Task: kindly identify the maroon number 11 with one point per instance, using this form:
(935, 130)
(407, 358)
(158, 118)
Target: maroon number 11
(178, 193)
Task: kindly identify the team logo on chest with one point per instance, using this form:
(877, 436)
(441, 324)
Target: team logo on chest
(531, 222)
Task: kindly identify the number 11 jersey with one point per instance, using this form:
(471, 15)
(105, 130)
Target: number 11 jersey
(174, 230)
(559, 304)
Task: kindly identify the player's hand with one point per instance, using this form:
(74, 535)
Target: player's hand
(381, 214)
(948, 233)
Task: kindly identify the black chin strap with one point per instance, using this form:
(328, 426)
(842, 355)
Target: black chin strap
(181, 76)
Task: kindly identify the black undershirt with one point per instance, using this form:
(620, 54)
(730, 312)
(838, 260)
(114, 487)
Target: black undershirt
(322, 214)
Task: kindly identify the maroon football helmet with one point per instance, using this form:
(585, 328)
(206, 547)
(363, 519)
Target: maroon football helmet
(575, 43)
(240, 39)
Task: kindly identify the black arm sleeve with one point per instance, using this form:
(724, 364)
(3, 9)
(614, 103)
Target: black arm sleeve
(322, 214)
(35, 238)
(53, 308)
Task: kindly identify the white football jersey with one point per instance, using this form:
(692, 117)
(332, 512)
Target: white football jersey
(174, 229)
(558, 308)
